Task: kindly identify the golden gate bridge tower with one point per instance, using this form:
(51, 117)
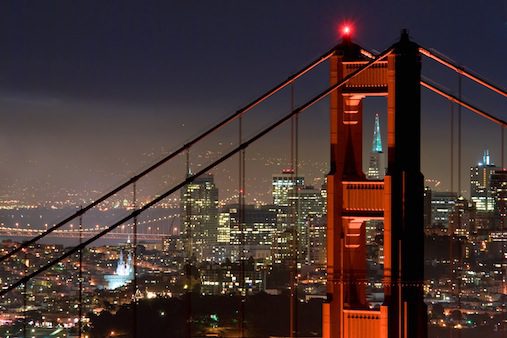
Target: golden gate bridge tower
(397, 199)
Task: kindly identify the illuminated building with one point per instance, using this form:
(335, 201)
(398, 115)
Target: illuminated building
(173, 245)
(282, 248)
(374, 171)
(498, 184)
(310, 206)
(124, 273)
(199, 215)
(480, 189)
(258, 229)
(462, 218)
(284, 186)
(438, 207)
(499, 189)
(317, 240)
(285, 190)
(224, 278)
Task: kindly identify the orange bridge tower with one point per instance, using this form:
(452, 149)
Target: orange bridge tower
(397, 199)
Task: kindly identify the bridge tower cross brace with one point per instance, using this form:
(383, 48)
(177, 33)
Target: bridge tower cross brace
(397, 199)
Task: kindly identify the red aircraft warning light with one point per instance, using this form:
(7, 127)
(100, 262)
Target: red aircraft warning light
(346, 30)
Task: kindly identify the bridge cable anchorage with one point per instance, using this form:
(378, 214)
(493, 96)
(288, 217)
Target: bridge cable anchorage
(437, 56)
(292, 78)
(317, 98)
(453, 98)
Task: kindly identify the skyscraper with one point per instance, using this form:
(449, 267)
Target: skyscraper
(481, 192)
(285, 190)
(284, 187)
(498, 185)
(199, 215)
(310, 206)
(317, 241)
(259, 226)
(480, 189)
(374, 171)
(442, 205)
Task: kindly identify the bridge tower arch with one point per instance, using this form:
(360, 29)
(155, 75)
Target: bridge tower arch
(397, 199)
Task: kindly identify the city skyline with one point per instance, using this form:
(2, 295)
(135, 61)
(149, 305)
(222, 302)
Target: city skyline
(118, 220)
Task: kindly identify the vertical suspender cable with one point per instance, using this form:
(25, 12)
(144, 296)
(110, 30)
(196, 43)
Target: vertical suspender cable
(451, 224)
(134, 266)
(294, 218)
(241, 220)
(502, 145)
(452, 146)
(298, 209)
(458, 268)
(459, 137)
(188, 229)
(25, 295)
(502, 211)
(80, 279)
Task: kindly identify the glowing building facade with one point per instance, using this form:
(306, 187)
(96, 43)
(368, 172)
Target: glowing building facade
(374, 171)
(123, 274)
(480, 188)
(199, 215)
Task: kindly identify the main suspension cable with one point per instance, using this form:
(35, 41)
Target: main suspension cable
(292, 78)
(191, 178)
(453, 98)
(434, 55)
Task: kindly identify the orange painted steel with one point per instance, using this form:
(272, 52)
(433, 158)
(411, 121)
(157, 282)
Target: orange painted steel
(464, 104)
(462, 71)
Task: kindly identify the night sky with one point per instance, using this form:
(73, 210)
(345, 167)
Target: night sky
(92, 91)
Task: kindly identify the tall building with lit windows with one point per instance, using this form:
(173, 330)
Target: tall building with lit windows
(442, 205)
(254, 237)
(480, 188)
(498, 184)
(199, 217)
(310, 206)
(285, 190)
(374, 168)
(284, 187)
